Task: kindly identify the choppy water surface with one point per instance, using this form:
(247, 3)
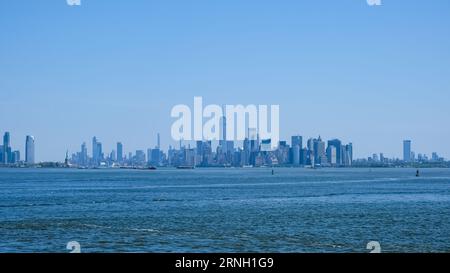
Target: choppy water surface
(225, 210)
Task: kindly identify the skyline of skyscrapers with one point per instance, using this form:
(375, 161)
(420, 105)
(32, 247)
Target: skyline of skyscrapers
(253, 151)
(8, 156)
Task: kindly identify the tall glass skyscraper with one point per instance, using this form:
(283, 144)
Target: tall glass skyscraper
(120, 151)
(83, 155)
(338, 145)
(296, 143)
(297, 140)
(6, 148)
(97, 154)
(320, 151)
(407, 150)
(29, 150)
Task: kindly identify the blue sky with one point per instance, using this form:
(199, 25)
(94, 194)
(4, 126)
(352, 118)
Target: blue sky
(368, 75)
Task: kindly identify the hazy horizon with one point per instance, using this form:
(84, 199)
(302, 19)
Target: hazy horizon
(370, 75)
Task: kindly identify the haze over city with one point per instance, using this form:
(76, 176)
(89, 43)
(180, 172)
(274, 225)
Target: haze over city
(370, 75)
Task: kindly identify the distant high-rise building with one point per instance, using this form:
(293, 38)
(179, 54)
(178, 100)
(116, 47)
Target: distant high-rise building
(375, 157)
(246, 145)
(155, 157)
(97, 153)
(113, 156)
(29, 150)
(332, 155)
(349, 149)
(297, 141)
(339, 153)
(303, 156)
(1, 154)
(407, 150)
(94, 150)
(149, 155)
(83, 155)
(296, 146)
(296, 155)
(434, 156)
(140, 158)
(199, 147)
(254, 140)
(230, 146)
(6, 148)
(310, 145)
(347, 154)
(266, 145)
(100, 151)
(158, 142)
(15, 157)
(320, 151)
(119, 152)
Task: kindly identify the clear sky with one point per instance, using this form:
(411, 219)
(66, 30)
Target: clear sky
(114, 69)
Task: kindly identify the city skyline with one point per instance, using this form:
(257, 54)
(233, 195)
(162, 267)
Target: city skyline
(9, 154)
(312, 151)
(344, 69)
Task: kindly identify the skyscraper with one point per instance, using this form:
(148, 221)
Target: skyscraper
(407, 150)
(155, 157)
(15, 157)
(296, 143)
(112, 156)
(332, 155)
(29, 150)
(347, 154)
(339, 151)
(230, 146)
(94, 149)
(149, 155)
(83, 155)
(140, 158)
(6, 148)
(254, 139)
(310, 145)
(297, 140)
(1, 154)
(97, 154)
(266, 145)
(319, 151)
(120, 151)
(296, 155)
(350, 152)
(223, 136)
(159, 142)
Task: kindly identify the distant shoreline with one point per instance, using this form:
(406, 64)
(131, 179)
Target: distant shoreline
(225, 168)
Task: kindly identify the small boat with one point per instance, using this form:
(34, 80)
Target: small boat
(417, 173)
